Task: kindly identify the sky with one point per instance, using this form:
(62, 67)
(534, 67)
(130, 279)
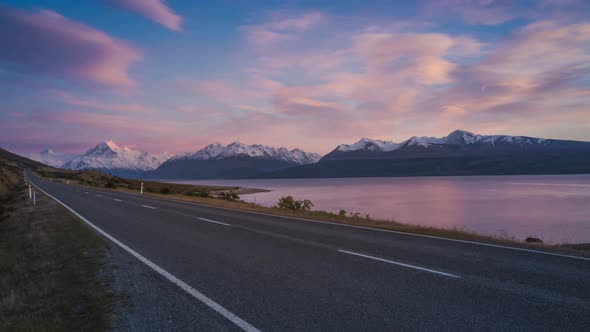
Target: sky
(173, 76)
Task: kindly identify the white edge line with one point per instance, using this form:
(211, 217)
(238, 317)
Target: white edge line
(213, 221)
(196, 294)
(147, 206)
(379, 229)
(373, 229)
(401, 264)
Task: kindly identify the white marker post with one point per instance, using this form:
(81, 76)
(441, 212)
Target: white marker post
(67, 181)
(34, 198)
(141, 190)
(30, 192)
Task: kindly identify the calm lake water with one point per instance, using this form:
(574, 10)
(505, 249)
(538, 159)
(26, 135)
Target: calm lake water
(555, 208)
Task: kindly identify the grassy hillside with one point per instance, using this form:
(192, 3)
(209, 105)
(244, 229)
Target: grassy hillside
(11, 171)
(53, 275)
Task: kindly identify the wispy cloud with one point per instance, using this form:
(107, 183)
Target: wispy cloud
(280, 28)
(155, 10)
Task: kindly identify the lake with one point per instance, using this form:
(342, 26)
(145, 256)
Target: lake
(555, 208)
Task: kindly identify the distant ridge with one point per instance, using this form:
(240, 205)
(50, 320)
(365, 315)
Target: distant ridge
(459, 153)
(235, 160)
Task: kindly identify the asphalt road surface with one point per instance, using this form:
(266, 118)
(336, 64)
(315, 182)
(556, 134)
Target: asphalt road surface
(259, 272)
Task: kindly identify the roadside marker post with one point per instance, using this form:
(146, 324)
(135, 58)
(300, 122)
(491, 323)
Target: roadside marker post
(30, 193)
(141, 190)
(34, 198)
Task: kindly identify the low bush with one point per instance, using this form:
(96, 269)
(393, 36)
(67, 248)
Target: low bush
(289, 203)
(533, 240)
(165, 190)
(229, 196)
(110, 184)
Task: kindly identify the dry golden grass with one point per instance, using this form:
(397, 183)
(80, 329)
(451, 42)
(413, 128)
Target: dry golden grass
(52, 268)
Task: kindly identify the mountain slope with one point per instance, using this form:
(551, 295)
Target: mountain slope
(235, 160)
(459, 153)
(110, 158)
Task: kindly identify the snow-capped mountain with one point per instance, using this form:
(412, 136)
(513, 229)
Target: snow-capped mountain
(124, 161)
(459, 153)
(369, 148)
(51, 157)
(235, 160)
(465, 137)
(218, 151)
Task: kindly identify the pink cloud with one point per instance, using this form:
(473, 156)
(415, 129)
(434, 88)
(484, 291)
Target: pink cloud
(155, 10)
(280, 29)
(50, 44)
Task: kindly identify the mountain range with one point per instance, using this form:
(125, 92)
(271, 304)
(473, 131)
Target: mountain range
(459, 153)
(235, 160)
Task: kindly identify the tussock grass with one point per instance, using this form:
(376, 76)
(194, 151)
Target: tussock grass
(53, 271)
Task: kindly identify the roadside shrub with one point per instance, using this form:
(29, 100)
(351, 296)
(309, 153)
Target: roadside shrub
(533, 240)
(342, 213)
(289, 203)
(229, 196)
(110, 184)
(165, 190)
(200, 194)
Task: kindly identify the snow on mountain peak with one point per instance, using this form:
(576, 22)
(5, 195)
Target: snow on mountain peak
(109, 155)
(370, 145)
(218, 151)
(458, 137)
(112, 145)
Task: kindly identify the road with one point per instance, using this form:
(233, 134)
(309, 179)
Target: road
(260, 272)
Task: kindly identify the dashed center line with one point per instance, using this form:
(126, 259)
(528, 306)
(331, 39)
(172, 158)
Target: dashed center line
(117, 200)
(400, 264)
(213, 221)
(98, 195)
(149, 207)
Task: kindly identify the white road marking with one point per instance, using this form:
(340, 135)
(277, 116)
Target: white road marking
(98, 195)
(400, 264)
(213, 221)
(86, 192)
(117, 200)
(184, 286)
(149, 207)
